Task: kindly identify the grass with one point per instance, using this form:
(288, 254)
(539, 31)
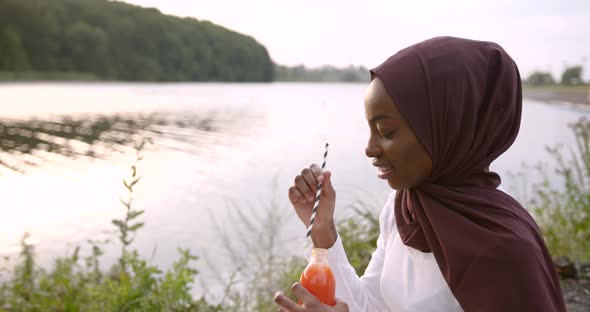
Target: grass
(559, 88)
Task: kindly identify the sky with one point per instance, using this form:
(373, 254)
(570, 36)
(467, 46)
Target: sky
(538, 34)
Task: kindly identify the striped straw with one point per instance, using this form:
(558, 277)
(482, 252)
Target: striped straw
(317, 197)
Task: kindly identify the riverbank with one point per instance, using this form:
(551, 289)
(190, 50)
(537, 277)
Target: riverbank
(576, 293)
(565, 94)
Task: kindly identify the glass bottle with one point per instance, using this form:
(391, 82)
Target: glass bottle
(318, 278)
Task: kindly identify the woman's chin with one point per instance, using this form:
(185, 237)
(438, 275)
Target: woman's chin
(394, 184)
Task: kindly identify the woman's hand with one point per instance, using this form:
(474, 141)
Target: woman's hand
(309, 301)
(302, 196)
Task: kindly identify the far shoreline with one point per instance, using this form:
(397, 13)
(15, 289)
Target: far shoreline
(576, 97)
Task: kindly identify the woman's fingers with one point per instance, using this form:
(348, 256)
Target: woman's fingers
(295, 195)
(304, 188)
(302, 193)
(309, 301)
(316, 170)
(325, 178)
(305, 184)
(287, 304)
(311, 181)
(304, 295)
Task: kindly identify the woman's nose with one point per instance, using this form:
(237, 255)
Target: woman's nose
(372, 149)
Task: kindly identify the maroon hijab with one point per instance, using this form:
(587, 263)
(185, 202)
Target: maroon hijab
(463, 100)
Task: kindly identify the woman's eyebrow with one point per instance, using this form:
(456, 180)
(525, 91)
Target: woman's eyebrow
(379, 117)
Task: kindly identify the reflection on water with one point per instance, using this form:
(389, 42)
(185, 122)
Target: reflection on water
(60, 175)
(233, 139)
(33, 142)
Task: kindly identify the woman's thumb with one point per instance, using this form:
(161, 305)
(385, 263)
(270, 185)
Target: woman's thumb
(341, 306)
(327, 183)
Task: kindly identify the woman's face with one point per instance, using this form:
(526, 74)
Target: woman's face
(399, 157)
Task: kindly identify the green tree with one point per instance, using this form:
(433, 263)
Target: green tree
(321, 74)
(116, 40)
(87, 48)
(572, 75)
(539, 78)
(13, 56)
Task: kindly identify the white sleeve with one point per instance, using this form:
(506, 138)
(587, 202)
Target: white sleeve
(364, 293)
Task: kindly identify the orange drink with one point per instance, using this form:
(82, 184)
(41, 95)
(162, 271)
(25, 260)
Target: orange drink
(318, 278)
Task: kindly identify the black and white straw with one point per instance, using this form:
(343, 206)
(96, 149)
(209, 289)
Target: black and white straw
(317, 196)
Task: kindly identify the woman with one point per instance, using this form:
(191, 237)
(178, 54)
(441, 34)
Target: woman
(439, 113)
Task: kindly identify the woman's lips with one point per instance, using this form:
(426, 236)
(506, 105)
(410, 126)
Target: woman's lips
(384, 172)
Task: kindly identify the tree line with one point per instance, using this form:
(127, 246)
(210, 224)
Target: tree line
(571, 76)
(325, 73)
(112, 40)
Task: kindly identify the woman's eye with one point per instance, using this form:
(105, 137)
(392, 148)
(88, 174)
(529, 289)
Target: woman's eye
(389, 134)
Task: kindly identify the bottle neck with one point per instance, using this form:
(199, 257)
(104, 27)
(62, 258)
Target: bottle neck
(319, 255)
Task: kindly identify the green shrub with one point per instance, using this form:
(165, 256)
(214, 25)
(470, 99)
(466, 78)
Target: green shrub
(562, 208)
(255, 245)
(359, 235)
(75, 284)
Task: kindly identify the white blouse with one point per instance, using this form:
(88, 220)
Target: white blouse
(398, 278)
